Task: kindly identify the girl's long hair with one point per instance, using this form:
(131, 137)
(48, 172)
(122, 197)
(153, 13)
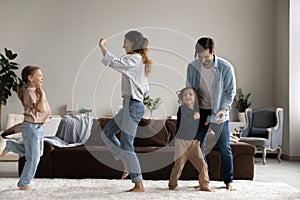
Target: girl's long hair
(140, 46)
(27, 71)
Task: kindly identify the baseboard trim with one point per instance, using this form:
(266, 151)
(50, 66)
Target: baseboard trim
(291, 158)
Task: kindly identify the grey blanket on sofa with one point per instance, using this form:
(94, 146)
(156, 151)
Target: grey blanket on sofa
(73, 130)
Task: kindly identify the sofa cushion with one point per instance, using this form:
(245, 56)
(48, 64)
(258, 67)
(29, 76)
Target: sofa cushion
(95, 136)
(258, 132)
(151, 133)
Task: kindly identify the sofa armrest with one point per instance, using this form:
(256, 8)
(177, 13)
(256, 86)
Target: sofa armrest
(242, 148)
(48, 148)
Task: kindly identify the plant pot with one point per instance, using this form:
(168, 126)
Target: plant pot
(147, 113)
(242, 117)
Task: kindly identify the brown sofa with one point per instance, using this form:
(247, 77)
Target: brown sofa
(154, 146)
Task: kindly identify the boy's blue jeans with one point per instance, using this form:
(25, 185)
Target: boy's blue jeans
(125, 121)
(32, 147)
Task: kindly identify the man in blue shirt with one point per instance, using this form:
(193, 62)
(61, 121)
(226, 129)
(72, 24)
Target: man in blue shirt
(214, 79)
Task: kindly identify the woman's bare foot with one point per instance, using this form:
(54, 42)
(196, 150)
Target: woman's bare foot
(24, 187)
(172, 188)
(229, 187)
(124, 175)
(4, 152)
(139, 187)
(207, 189)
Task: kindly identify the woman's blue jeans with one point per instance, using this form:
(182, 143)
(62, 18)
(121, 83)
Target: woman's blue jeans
(125, 121)
(32, 147)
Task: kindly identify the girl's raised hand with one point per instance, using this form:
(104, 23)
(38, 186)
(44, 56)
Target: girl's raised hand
(102, 42)
(39, 91)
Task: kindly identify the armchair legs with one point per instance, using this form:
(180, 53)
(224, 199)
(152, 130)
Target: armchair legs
(264, 154)
(279, 154)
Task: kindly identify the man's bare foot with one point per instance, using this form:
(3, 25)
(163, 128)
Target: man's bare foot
(139, 187)
(229, 187)
(24, 187)
(124, 175)
(4, 152)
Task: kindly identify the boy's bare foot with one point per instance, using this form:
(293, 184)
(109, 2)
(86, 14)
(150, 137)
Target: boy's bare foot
(139, 187)
(24, 187)
(4, 152)
(229, 187)
(124, 175)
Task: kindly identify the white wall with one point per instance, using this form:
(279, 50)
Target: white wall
(281, 79)
(61, 36)
(294, 74)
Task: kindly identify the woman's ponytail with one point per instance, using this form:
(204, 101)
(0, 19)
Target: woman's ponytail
(140, 46)
(146, 60)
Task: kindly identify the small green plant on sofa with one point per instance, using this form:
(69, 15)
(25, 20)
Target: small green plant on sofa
(152, 104)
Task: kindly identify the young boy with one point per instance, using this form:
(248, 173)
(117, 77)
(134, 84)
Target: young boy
(186, 147)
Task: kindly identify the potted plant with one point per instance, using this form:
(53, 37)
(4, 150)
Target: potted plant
(8, 78)
(241, 102)
(152, 104)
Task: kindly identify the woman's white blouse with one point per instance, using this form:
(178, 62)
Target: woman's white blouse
(134, 80)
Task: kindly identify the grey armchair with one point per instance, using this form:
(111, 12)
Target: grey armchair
(263, 129)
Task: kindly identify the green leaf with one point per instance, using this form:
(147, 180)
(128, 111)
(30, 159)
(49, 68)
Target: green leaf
(2, 71)
(13, 63)
(2, 56)
(12, 74)
(241, 100)
(4, 61)
(15, 87)
(8, 53)
(13, 67)
(8, 78)
(3, 101)
(13, 56)
(8, 92)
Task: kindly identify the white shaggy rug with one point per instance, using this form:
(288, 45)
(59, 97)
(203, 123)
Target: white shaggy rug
(115, 189)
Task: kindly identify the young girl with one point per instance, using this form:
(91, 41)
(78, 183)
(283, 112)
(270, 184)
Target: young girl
(186, 147)
(36, 112)
(134, 67)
